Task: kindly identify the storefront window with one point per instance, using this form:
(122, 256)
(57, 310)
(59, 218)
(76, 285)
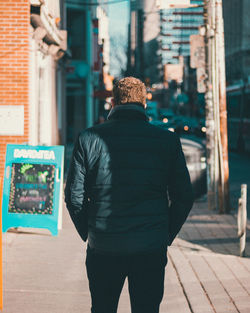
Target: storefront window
(76, 21)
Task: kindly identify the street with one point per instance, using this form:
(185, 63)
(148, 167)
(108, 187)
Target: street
(204, 274)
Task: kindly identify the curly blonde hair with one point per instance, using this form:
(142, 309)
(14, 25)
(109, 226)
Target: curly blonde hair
(129, 90)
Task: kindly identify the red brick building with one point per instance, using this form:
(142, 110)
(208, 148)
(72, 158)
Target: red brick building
(31, 44)
(14, 71)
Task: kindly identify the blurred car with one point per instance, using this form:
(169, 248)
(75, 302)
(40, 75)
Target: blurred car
(195, 155)
(169, 125)
(180, 123)
(185, 124)
(166, 115)
(200, 130)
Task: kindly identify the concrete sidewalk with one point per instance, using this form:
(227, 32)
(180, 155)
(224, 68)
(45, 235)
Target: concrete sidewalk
(44, 274)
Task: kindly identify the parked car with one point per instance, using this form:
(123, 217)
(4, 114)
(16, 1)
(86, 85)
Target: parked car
(185, 124)
(166, 115)
(195, 155)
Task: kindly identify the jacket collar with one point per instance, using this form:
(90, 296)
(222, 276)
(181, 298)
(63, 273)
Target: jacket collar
(129, 111)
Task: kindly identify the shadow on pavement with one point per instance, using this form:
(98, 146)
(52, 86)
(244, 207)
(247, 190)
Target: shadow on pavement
(218, 233)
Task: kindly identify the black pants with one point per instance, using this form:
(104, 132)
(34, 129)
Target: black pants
(107, 273)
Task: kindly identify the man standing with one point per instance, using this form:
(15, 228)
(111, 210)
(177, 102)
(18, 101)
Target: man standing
(128, 192)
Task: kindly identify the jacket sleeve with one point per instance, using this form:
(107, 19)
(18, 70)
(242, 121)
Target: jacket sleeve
(75, 193)
(180, 193)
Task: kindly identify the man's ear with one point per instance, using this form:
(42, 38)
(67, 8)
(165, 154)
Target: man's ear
(112, 102)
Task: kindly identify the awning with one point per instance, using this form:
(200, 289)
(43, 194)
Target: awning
(102, 94)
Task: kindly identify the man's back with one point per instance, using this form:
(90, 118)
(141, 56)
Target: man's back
(130, 165)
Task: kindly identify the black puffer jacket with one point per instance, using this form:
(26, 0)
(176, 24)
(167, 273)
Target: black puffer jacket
(128, 188)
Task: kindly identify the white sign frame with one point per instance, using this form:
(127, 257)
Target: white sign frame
(197, 51)
(201, 79)
(11, 120)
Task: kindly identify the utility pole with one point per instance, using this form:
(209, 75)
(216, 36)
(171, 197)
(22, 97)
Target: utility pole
(209, 98)
(216, 110)
(224, 175)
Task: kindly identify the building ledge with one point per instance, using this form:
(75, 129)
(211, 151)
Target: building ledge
(50, 26)
(46, 28)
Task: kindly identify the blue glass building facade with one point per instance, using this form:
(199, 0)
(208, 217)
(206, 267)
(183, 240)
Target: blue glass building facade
(177, 25)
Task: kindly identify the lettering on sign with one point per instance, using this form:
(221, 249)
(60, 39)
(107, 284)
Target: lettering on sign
(34, 154)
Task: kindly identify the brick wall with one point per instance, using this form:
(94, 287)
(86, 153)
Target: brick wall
(14, 64)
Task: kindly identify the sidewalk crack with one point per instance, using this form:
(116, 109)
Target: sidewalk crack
(182, 286)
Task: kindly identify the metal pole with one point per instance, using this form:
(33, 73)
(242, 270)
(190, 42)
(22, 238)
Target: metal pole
(224, 190)
(242, 219)
(141, 44)
(215, 78)
(89, 79)
(218, 145)
(133, 42)
(129, 49)
(210, 124)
